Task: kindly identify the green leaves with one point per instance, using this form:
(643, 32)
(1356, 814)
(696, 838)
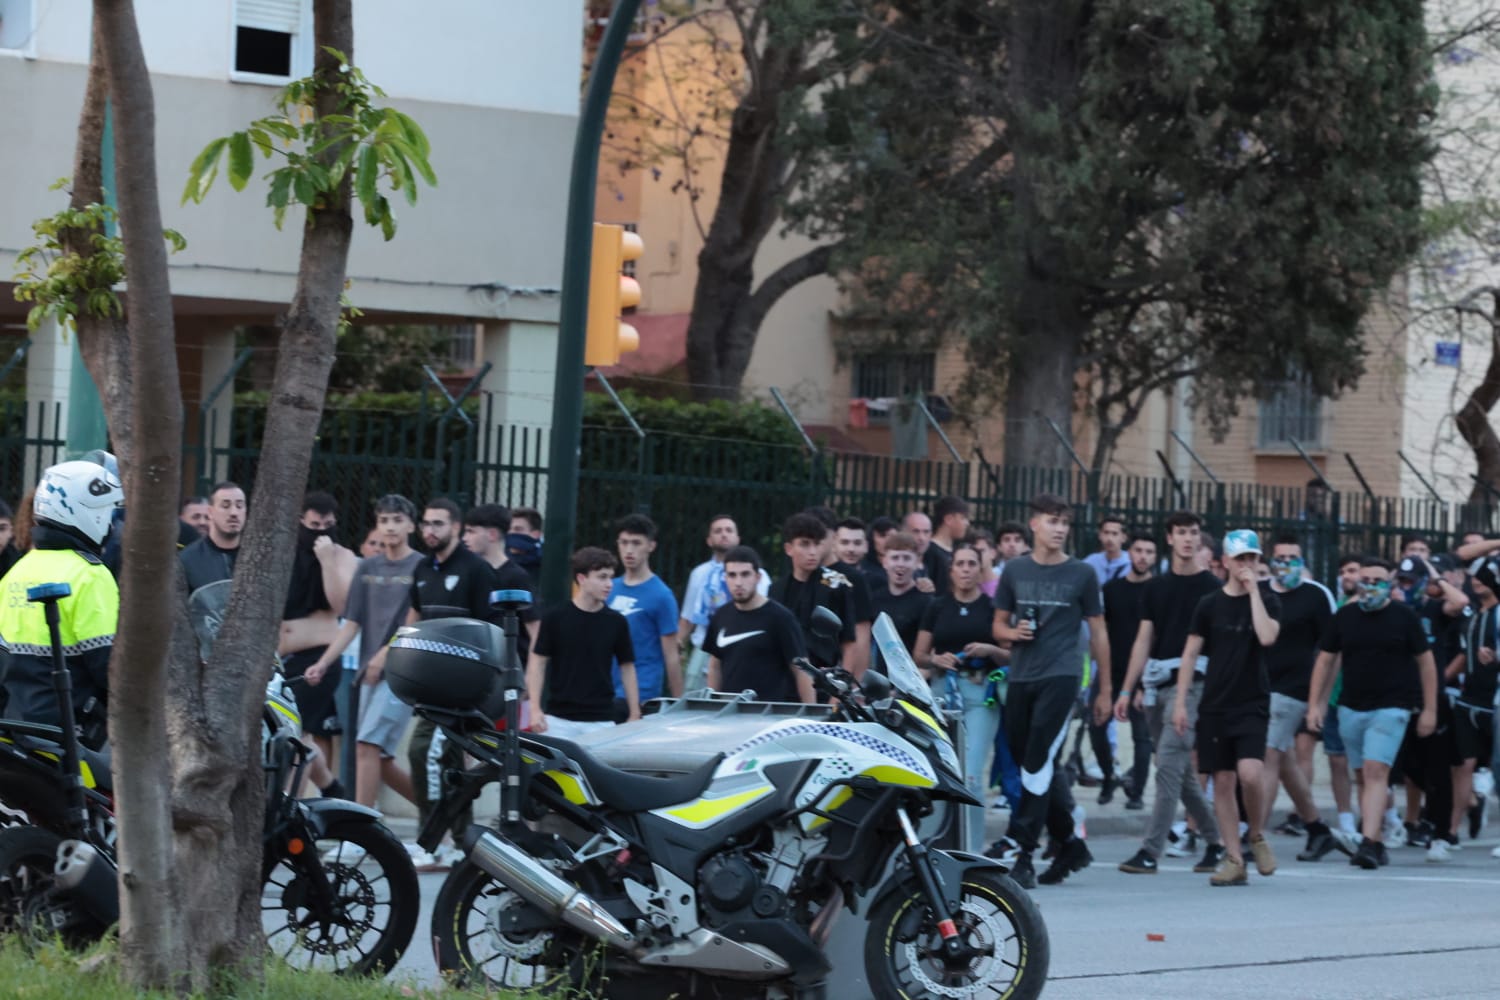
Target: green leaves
(385, 148)
(64, 283)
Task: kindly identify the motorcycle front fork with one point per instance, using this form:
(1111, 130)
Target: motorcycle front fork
(919, 859)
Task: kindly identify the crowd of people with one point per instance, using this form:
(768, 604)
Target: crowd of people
(1227, 663)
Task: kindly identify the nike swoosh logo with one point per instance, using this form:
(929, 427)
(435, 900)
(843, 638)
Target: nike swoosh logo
(730, 640)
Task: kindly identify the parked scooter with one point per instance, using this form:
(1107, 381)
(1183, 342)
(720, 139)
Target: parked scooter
(339, 890)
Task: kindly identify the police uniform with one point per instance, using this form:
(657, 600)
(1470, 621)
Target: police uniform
(87, 621)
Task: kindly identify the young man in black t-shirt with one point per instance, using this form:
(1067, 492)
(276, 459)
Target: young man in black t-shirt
(449, 582)
(1387, 671)
(576, 647)
(1233, 626)
(898, 596)
(811, 585)
(752, 640)
(1167, 605)
(1306, 608)
(1474, 709)
(837, 543)
(1123, 608)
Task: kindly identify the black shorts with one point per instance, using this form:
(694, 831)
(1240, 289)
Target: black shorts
(1225, 740)
(1473, 734)
(317, 702)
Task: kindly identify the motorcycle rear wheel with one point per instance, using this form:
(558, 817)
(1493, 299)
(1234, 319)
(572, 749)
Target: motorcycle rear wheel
(28, 855)
(376, 899)
(474, 952)
(995, 915)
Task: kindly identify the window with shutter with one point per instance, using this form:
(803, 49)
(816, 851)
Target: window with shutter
(270, 39)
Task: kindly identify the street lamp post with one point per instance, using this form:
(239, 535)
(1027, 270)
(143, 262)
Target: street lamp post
(567, 392)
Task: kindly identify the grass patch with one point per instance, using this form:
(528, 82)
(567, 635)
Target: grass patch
(52, 972)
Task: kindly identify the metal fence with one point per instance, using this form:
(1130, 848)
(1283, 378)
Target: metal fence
(31, 438)
(682, 481)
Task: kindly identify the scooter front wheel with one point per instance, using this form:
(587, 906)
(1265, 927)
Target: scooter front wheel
(1007, 947)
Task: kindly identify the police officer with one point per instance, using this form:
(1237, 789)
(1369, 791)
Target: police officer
(73, 512)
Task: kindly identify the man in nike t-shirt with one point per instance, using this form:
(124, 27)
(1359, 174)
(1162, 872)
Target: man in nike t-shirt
(752, 641)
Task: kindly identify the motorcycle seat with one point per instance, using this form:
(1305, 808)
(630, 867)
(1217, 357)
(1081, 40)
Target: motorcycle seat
(38, 736)
(636, 792)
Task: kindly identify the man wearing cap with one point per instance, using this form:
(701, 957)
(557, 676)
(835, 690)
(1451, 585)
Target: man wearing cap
(1233, 626)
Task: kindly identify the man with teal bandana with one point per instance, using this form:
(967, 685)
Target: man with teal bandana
(1306, 608)
(1388, 671)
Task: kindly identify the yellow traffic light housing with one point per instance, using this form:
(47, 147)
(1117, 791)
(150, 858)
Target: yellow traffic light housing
(610, 294)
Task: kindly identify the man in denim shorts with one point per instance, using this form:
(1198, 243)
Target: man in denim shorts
(1388, 671)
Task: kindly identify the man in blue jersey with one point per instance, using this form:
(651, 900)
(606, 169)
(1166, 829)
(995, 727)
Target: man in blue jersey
(650, 610)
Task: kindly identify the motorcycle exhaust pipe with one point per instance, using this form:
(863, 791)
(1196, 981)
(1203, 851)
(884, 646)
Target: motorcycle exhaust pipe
(542, 888)
(88, 878)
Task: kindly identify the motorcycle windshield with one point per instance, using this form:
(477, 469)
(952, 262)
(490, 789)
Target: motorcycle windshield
(899, 667)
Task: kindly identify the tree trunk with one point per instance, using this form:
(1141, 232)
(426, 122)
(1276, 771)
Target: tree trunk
(150, 937)
(103, 341)
(725, 318)
(220, 792)
(1047, 320)
(1473, 418)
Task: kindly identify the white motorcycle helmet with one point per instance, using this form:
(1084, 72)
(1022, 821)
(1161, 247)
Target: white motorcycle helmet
(79, 497)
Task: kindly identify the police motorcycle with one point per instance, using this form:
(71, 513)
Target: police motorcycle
(339, 892)
(723, 879)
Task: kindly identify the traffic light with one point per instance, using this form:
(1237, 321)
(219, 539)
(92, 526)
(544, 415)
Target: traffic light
(610, 294)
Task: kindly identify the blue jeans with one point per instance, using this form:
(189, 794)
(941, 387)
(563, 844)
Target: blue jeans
(981, 722)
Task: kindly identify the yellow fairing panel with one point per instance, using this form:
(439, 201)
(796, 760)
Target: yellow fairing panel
(889, 774)
(705, 811)
(572, 789)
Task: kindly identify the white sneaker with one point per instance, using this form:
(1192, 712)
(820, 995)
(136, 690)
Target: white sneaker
(1440, 851)
(344, 853)
(1495, 853)
(1484, 783)
(1395, 834)
(1185, 846)
(448, 856)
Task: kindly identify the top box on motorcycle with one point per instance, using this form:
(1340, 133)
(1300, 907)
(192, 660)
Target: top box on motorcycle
(453, 663)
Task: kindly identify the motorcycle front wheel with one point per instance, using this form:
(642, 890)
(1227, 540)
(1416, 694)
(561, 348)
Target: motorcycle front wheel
(996, 918)
(363, 923)
(476, 950)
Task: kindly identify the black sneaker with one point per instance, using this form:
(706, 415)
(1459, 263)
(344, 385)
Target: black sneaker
(1318, 845)
(1211, 858)
(1004, 850)
(1022, 872)
(1418, 835)
(1072, 856)
(1135, 803)
(1476, 819)
(1111, 783)
(1292, 826)
(1140, 863)
(1382, 858)
(1050, 851)
(1366, 857)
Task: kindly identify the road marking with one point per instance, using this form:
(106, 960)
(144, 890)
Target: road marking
(1371, 877)
(1309, 960)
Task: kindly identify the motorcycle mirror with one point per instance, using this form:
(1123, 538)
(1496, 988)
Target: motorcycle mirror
(825, 624)
(876, 685)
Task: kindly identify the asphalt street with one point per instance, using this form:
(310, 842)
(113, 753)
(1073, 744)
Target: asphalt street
(1327, 930)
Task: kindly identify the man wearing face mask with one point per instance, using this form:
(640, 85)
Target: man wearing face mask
(1306, 608)
(321, 573)
(1432, 585)
(1378, 648)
